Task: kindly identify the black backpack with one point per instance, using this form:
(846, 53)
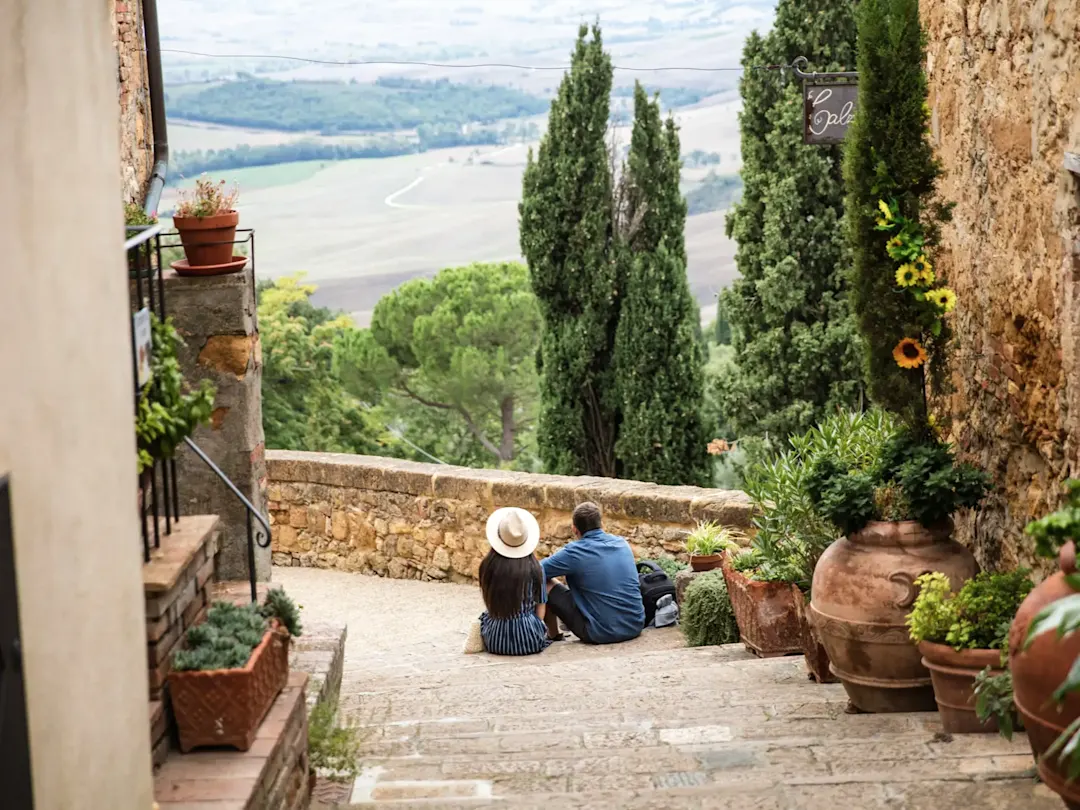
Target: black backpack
(654, 584)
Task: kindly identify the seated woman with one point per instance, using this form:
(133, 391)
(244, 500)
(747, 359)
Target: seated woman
(512, 584)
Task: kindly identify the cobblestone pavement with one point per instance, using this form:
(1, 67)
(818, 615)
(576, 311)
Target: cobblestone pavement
(647, 724)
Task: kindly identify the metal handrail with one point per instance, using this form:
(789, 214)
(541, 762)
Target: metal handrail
(252, 537)
(145, 234)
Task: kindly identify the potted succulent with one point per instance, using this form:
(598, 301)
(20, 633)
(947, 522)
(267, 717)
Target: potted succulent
(963, 634)
(206, 218)
(791, 535)
(897, 521)
(1044, 654)
(707, 543)
(231, 670)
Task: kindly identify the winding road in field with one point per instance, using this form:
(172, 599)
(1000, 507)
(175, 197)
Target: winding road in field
(391, 200)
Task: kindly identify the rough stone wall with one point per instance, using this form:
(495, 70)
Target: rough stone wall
(136, 140)
(1005, 99)
(426, 521)
(216, 316)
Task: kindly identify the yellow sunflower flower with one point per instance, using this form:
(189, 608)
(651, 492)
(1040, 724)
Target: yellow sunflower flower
(909, 353)
(943, 298)
(883, 207)
(922, 264)
(907, 275)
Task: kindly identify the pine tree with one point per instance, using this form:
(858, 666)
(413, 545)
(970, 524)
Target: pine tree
(889, 161)
(797, 350)
(566, 236)
(659, 358)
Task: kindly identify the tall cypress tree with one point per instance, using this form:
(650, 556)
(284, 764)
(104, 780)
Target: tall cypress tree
(659, 359)
(797, 350)
(566, 236)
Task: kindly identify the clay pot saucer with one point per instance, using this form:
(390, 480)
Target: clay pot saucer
(182, 267)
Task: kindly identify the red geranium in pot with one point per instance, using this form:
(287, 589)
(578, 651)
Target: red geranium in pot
(206, 218)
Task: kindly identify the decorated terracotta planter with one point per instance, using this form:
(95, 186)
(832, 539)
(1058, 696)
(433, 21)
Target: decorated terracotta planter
(814, 652)
(765, 612)
(225, 707)
(705, 562)
(1039, 670)
(208, 241)
(953, 676)
(864, 587)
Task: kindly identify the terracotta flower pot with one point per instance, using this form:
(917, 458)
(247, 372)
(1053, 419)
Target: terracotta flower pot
(227, 706)
(208, 241)
(705, 562)
(1039, 670)
(814, 652)
(953, 675)
(765, 613)
(864, 587)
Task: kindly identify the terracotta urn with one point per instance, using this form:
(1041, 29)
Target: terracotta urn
(814, 652)
(705, 562)
(863, 590)
(1039, 670)
(208, 241)
(953, 674)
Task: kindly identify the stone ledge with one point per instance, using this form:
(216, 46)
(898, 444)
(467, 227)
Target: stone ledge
(178, 553)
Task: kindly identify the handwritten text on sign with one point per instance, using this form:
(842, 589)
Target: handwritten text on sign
(827, 112)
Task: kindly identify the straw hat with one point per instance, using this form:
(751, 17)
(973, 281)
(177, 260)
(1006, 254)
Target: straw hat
(513, 532)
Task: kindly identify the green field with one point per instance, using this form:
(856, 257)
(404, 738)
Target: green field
(260, 177)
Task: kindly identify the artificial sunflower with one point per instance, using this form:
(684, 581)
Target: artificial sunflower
(893, 245)
(907, 275)
(943, 298)
(909, 353)
(922, 264)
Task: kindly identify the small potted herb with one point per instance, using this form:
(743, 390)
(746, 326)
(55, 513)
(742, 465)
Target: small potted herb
(206, 218)
(231, 670)
(963, 634)
(707, 543)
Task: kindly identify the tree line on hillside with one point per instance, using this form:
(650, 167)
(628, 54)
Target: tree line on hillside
(333, 107)
(715, 193)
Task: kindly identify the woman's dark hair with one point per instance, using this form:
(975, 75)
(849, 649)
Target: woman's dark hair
(506, 583)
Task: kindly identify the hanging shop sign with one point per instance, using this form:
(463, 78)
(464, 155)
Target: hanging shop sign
(828, 110)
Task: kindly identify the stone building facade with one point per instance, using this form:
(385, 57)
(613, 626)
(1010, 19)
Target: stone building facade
(1005, 100)
(408, 520)
(136, 139)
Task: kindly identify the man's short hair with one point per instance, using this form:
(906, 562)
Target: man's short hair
(586, 517)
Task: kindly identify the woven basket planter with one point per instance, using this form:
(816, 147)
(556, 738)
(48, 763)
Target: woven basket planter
(226, 706)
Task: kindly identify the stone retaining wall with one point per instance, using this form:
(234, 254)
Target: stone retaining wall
(409, 520)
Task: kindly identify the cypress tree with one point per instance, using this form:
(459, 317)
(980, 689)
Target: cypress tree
(566, 236)
(797, 349)
(659, 359)
(893, 220)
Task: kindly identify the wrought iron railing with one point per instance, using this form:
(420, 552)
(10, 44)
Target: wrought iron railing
(144, 249)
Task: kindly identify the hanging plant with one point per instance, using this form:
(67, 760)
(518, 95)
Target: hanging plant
(167, 413)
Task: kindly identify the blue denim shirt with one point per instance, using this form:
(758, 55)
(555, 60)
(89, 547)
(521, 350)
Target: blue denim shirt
(603, 579)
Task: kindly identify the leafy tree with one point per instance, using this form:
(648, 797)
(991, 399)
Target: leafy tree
(797, 351)
(304, 404)
(461, 345)
(658, 357)
(891, 174)
(566, 237)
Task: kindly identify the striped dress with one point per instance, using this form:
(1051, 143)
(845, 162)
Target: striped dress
(522, 634)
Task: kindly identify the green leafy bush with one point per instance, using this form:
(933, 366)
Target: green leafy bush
(670, 565)
(994, 699)
(976, 618)
(1058, 528)
(791, 533)
(915, 479)
(707, 617)
(332, 749)
(709, 538)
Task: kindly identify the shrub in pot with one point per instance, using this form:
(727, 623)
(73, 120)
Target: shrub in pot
(759, 583)
(705, 615)
(206, 218)
(897, 522)
(963, 634)
(707, 543)
(232, 669)
(1044, 653)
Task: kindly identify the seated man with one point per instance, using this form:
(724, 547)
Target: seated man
(602, 604)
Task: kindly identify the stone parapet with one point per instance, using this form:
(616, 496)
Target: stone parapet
(410, 520)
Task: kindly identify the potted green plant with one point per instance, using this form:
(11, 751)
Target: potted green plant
(897, 521)
(231, 670)
(1044, 653)
(962, 634)
(206, 218)
(759, 584)
(706, 616)
(707, 543)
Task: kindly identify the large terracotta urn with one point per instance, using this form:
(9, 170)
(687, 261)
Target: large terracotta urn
(863, 590)
(1041, 669)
